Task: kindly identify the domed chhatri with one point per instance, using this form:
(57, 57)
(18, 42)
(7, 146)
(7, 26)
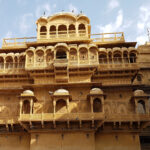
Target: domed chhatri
(61, 92)
(139, 93)
(96, 91)
(28, 93)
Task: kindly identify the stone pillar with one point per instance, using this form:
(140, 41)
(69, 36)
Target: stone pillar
(54, 104)
(31, 106)
(57, 31)
(48, 34)
(91, 101)
(21, 107)
(67, 101)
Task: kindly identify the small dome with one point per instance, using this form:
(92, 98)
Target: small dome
(28, 92)
(96, 91)
(139, 93)
(61, 92)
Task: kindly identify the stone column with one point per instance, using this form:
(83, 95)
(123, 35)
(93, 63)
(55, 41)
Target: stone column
(31, 106)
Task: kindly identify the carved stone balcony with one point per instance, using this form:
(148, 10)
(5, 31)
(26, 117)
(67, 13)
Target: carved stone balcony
(61, 117)
(11, 68)
(60, 62)
(128, 117)
(118, 64)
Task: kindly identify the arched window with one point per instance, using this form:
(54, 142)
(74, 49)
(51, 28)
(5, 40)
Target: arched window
(117, 58)
(62, 29)
(49, 57)
(9, 62)
(22, 62)
(102, 59)
(1, 62)
(61, 106)
(97, 105)
(61, 54)
(132, 57)
(39, 56)
(16, 62)
(52, 31)
(72, 30)
(73, 54)
(110, 57)
(81, 29)
(26, 107)
(43, 31)
(141, 107)
(93, 53)
(30, 58)
(125, 57)
(83, 53)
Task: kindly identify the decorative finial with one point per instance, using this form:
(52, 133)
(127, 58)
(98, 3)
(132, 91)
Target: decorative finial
(73, 11)
(148, 33)
(81, 12)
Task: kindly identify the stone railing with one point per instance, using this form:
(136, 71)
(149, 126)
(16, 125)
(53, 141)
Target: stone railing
(61, 116)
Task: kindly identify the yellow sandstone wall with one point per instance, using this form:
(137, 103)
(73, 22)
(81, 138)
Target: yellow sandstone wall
(14, 142)
(117, 141)
(70, 141)
(65, 141)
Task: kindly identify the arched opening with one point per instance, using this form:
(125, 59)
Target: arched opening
(72, 30)
(16, 62)
(102, 59)
(62, 29)
(73, 54)
(61, 54)
(43, 31)
(141, 107)
(30, 58)
(26, 107)
(22, 62)
(110, 58)
(117, 58)
(81, 29)
(9, 62)
(39, 56)
(132, 58)
(1, 62)
(97, 105)
(83, 54)
(93, 53)
(49, 57)
(61, 106)
(52, 31)
(125, 57)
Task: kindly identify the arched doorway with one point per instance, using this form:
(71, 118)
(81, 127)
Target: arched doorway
(72, 30)
(102, 59)
(97, 105)
(26, 107)
(9, 62)
(82, 29)
(132, 58)
(61, 106)
(62, 29)
(43, 32)
(61, 54)
(141, 107)
(52, 31)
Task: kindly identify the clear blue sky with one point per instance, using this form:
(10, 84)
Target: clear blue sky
(132, 17)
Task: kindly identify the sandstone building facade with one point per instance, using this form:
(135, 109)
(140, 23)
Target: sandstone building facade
(68, 89)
